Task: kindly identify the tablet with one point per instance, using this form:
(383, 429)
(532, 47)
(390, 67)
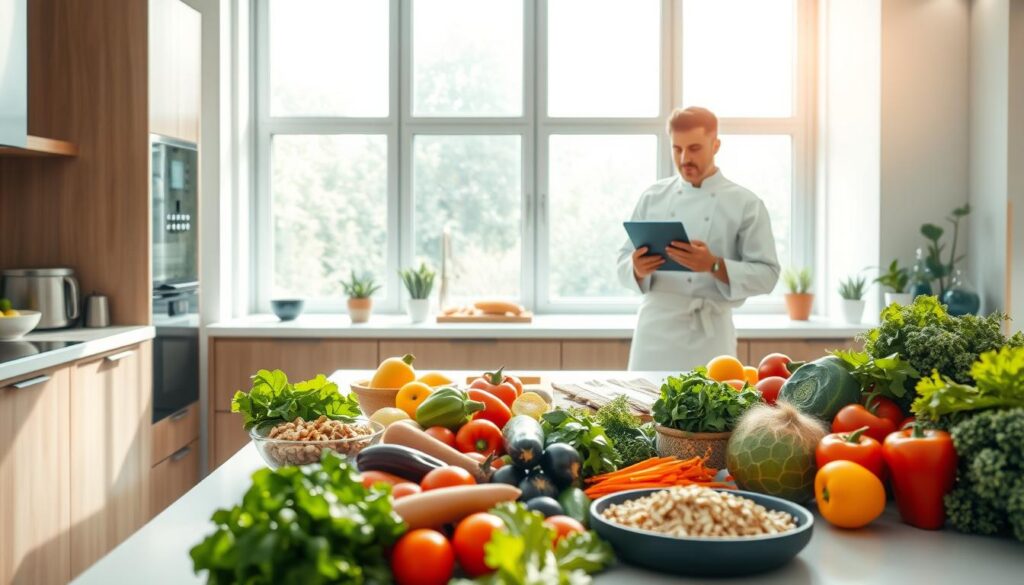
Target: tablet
(656, 235)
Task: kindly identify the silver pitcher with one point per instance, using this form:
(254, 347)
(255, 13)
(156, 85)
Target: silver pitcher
(51, 291)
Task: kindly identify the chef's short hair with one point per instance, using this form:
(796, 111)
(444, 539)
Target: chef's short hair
(683, 119)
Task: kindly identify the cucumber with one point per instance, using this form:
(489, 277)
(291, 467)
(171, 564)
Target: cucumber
(576, 504)
(524, 441)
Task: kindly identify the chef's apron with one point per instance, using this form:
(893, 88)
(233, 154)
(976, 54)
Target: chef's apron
(677, 333)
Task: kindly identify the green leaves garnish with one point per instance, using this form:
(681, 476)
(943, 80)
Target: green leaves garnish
(885, 376)
(273, 398)
(999, 379)
(694, 403)
(583, 432)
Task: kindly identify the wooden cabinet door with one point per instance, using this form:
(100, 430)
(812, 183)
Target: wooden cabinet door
(600, 354)
(172, 477)
(477, 354)
(799, 350)
(188, 45)
(228, 437)
(34, 482)
(111, 418)
(175, 69)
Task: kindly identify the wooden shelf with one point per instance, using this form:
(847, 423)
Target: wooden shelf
(39, 146)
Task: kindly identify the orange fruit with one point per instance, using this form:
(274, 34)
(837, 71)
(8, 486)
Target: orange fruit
(725, 367)
(411, 395)
(737, 384)
(435, 379)
(750, 375)
(394, 372)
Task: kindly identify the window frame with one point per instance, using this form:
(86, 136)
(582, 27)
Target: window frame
(535, 128)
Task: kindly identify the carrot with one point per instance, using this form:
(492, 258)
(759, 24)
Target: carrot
(647, 463)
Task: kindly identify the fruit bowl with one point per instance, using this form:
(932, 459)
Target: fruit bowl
(15, 327)
(373, 399)
(281, 452)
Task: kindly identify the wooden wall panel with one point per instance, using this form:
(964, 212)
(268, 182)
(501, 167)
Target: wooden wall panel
(798, 349)
(595, 354)
(88, 85)
(521, 355)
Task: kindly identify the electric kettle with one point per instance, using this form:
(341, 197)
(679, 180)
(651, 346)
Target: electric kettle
(51, 291)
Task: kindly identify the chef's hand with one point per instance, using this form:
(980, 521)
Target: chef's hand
(694, 255)
(644, 266)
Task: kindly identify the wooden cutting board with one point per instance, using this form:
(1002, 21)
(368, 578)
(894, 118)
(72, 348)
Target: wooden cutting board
(484, 318)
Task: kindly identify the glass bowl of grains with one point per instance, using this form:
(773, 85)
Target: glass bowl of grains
(300, 442)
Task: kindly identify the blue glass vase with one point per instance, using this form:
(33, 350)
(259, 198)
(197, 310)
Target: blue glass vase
(961, 298)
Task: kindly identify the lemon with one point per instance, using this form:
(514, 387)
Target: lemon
(435, 379)
(389, 415)
(530, 404)
(11, 313)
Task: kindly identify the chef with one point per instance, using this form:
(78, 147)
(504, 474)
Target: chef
(685, 318)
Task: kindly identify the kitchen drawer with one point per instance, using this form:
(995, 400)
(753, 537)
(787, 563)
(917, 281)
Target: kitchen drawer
(172, 477)
(477, 354)
(603, 354)
(174, 432)
(228, 437)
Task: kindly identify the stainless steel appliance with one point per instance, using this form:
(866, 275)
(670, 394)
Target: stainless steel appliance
(97, 311)
(51, 291)
(175, 275)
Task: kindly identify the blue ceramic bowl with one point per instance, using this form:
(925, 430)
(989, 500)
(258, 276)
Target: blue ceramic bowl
(287, 309)
(704, 557)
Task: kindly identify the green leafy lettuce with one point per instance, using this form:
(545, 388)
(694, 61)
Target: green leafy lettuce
(314, 524)
(522, 553)
(273, 398)
(884, 376)
(581, 430)
(695, 403)
(999, 383)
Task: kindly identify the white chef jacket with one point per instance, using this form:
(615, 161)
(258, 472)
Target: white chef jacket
(685, 318)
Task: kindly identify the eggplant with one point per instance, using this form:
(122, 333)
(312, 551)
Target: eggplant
(537, 484)
(399, 460)
(562, 463)
(545, 505)
(524, 441)
(509, 474)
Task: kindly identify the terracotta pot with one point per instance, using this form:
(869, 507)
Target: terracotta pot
(799, 305)
(684, 445)
(359, 309)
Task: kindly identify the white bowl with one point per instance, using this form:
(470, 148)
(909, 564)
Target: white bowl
(15, 327)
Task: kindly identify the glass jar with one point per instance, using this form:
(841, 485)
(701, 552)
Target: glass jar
(961, 298)
(921, 277)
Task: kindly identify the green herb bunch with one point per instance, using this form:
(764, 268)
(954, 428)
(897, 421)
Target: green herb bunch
(886, 376)
(896, 278)
(852, 289)
(418, 282)
(580, 429)
(633, 440)
(360, 287)
(798, 281)
(695, 403)
(273, 399)
(315, 524)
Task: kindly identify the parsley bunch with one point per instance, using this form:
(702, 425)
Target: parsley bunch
(273, 399)
(695, 403)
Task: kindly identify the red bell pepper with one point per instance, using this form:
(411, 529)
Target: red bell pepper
(854, 416)
(480, 436)
(507, 388)
(856, 447)
(923, 467)
(494, 409)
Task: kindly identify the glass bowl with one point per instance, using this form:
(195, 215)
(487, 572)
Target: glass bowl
(277, 452)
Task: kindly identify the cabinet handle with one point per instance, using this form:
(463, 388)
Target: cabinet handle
(116, 357)
(31, 382)
(181, 453)
(180, 414)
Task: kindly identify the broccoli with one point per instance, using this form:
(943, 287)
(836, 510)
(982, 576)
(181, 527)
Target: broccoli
(989, 493)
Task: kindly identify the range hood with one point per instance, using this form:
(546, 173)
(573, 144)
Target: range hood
(14, 73)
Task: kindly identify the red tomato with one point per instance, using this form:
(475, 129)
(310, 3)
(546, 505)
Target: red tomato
(773, 364)
(403, 489)
(423, 557)
(448, 476)
(564, 526)
(856, 447)
(854, 416)
(883, 407)
(907, 421)
(494, 410)
(770, 387)
(372, 477)
(469, 539)
(480, 436)
(442, 434)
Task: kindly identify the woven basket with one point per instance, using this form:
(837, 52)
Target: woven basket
(684, 445)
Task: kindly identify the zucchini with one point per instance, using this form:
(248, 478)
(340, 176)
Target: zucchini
(399, 460)
(576, 504)
(524, 441)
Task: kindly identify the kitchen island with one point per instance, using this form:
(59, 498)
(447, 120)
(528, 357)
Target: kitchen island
(887, 551)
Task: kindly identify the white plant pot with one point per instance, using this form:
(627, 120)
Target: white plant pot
(418, 309)
(853, 311)
(901, 298)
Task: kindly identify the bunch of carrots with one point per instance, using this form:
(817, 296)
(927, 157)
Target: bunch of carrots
(656, 472)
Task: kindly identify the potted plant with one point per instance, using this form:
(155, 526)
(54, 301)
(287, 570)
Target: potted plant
(360, 291)
(896, 279)
(419, 283)
(799, 300)
(942, 271)
(852, 291)
(695, 415)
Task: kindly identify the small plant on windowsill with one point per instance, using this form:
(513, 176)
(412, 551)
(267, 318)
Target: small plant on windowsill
(852, 291)
(799, 299)
(419, 283)
(360, 291)
(896, 279)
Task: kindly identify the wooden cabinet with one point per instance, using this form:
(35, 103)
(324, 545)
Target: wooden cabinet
(174, 432)
(34, 485)
(228, 437)
(172, 477)
(602, 354)
(798, 349)
(175, 69)
(521, 355)
(110, 420)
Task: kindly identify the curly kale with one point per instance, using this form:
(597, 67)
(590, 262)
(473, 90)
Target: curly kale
(633, 440)
(989, 493)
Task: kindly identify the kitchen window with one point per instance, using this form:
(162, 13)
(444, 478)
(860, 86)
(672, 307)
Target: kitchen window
(528, 128)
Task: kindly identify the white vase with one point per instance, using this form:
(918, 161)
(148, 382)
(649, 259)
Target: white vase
(901, 298)
(853, 310)
(418, 309)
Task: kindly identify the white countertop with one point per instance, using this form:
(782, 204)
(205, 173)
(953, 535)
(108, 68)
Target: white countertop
(93, 342)
(543, 327)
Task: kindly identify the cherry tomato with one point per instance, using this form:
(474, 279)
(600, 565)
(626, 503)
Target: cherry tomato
(564, 526)
(442, 434)
(448, 476)
(372, 477)
(423, 557)
(885, 408)
(469, 539)
(774, 364)
(770, 387)
(481, 436)
(854, 416)
(406, 488)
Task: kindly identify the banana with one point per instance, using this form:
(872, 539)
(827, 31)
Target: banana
(498, 307)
